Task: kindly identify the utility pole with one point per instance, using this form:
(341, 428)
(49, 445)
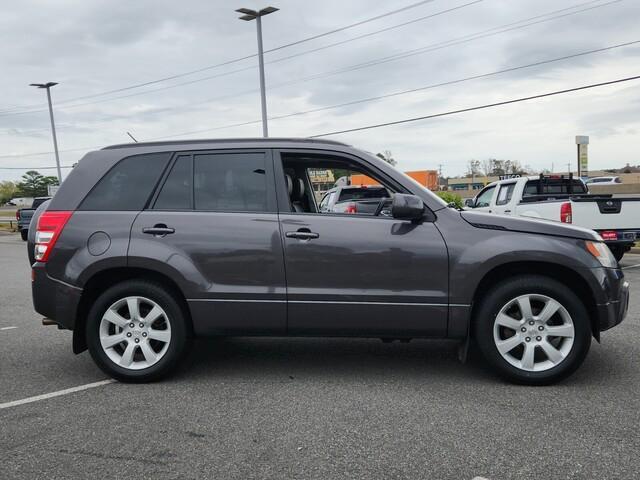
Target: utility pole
(48, 86)
(249, 15)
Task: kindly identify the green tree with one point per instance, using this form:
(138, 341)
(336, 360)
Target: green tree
(451, 198)
(34, 184)
(387, 156)
(8, 190)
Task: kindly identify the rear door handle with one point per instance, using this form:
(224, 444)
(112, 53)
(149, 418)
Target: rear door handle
(158, 230)
(507, 211)
(302, 234)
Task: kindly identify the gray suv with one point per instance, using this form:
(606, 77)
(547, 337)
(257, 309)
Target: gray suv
(148, 245)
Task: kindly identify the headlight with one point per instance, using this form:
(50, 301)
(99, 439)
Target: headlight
(602, 253)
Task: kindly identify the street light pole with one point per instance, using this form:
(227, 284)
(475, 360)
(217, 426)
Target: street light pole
(48, 86)
(249, 15)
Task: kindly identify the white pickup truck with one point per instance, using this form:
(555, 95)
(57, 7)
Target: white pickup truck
(565, 199)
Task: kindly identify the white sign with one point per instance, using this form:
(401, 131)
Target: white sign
(52, 189)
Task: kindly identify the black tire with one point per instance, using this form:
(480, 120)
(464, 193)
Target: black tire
(176, 316)
(24, 234)
(618, 251)
(502, 293)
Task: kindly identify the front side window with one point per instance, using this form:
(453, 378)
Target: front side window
(230, 182)
(128, 185)
(355, 190)
(484, 199)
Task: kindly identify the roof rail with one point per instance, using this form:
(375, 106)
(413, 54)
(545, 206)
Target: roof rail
(223, 140)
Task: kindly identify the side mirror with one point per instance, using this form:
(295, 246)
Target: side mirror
(469, 202)
(407, 207)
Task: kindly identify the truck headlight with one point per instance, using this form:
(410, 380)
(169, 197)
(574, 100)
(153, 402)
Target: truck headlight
(602, 254)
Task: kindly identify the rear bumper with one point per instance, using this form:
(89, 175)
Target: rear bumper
(54, 299)
(614, 310)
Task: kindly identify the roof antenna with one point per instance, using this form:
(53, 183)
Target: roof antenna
(132, 137)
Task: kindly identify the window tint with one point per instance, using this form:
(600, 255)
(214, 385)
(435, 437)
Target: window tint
(484, 199)
(553, 186)
(362, 193)
(177, 192)
(128, 185)
(505, 194)
(234, 182)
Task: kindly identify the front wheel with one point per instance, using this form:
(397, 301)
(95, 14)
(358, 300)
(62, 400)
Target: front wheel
(136, 331)
(533, 330)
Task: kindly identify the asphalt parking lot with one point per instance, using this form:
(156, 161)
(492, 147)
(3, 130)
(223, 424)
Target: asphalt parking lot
(310, 408)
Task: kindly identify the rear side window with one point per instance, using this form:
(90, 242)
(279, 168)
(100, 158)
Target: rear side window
(128, 185)
(505, 193)
(177, 191)
(232, 182)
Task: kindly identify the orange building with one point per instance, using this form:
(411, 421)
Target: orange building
(426, 178)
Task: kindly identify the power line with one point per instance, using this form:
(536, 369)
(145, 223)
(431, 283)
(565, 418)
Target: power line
(35, 168)
(426, 117)
(244, 69)
(479, 107)
(425, 49)
(365, 100)
(235, 60)
(412, 90)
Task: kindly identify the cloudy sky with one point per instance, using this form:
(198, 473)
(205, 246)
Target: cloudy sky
(95, 47)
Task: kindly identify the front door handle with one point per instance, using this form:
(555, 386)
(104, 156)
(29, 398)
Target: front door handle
(302, 234)
(159, 230)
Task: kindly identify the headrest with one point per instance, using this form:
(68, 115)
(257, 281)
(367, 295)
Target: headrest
(287, 178)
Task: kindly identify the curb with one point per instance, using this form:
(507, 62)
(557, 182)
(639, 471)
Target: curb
(635, 250)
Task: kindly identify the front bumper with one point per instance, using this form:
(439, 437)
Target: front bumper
(614, 309)
(54, 299)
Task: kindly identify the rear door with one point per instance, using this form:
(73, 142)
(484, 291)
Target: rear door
(357, 274)
(212, 226)
(503, 200)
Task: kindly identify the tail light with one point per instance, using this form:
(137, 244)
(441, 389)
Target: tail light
(565, 213)
(17, 214)
(351, 208)
(609, 235)
(50, 225)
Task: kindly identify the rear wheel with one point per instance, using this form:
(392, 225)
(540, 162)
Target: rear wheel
(533, 330)
(24, 234)
(136, 331)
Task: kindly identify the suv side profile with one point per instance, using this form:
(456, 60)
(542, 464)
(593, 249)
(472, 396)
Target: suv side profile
(147, 245)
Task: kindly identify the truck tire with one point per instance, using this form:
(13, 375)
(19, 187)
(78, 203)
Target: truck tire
(136, 331)
(532, 329)
(24, 234)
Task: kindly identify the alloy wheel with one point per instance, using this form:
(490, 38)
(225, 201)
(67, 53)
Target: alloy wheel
(135, 332)
(533, 332)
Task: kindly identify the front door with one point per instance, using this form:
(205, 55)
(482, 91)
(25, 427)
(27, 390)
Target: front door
(351, 273)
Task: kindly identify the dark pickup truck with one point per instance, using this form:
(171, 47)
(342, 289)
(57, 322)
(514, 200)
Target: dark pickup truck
(23, 216)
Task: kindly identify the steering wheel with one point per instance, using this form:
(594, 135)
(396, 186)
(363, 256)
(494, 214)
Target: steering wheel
(380, 208)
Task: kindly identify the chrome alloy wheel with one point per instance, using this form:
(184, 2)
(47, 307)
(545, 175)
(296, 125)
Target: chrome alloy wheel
(135, 333)
(533, 332)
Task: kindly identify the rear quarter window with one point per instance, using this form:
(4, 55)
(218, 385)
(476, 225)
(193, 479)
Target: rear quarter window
(128, 185)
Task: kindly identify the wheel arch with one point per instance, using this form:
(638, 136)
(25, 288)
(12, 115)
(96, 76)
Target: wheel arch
(104, 279)
(554, 271)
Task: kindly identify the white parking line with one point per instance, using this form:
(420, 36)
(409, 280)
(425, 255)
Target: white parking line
(7, 328)
(630, 266)
(59, 393)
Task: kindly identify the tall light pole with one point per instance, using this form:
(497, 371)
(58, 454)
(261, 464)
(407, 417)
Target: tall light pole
(249, 15)
(48, 86)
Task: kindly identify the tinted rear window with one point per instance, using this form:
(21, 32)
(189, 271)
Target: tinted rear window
(176, 193)
(553, 186)
(362, 194)
(232, 182)
(128, 185)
